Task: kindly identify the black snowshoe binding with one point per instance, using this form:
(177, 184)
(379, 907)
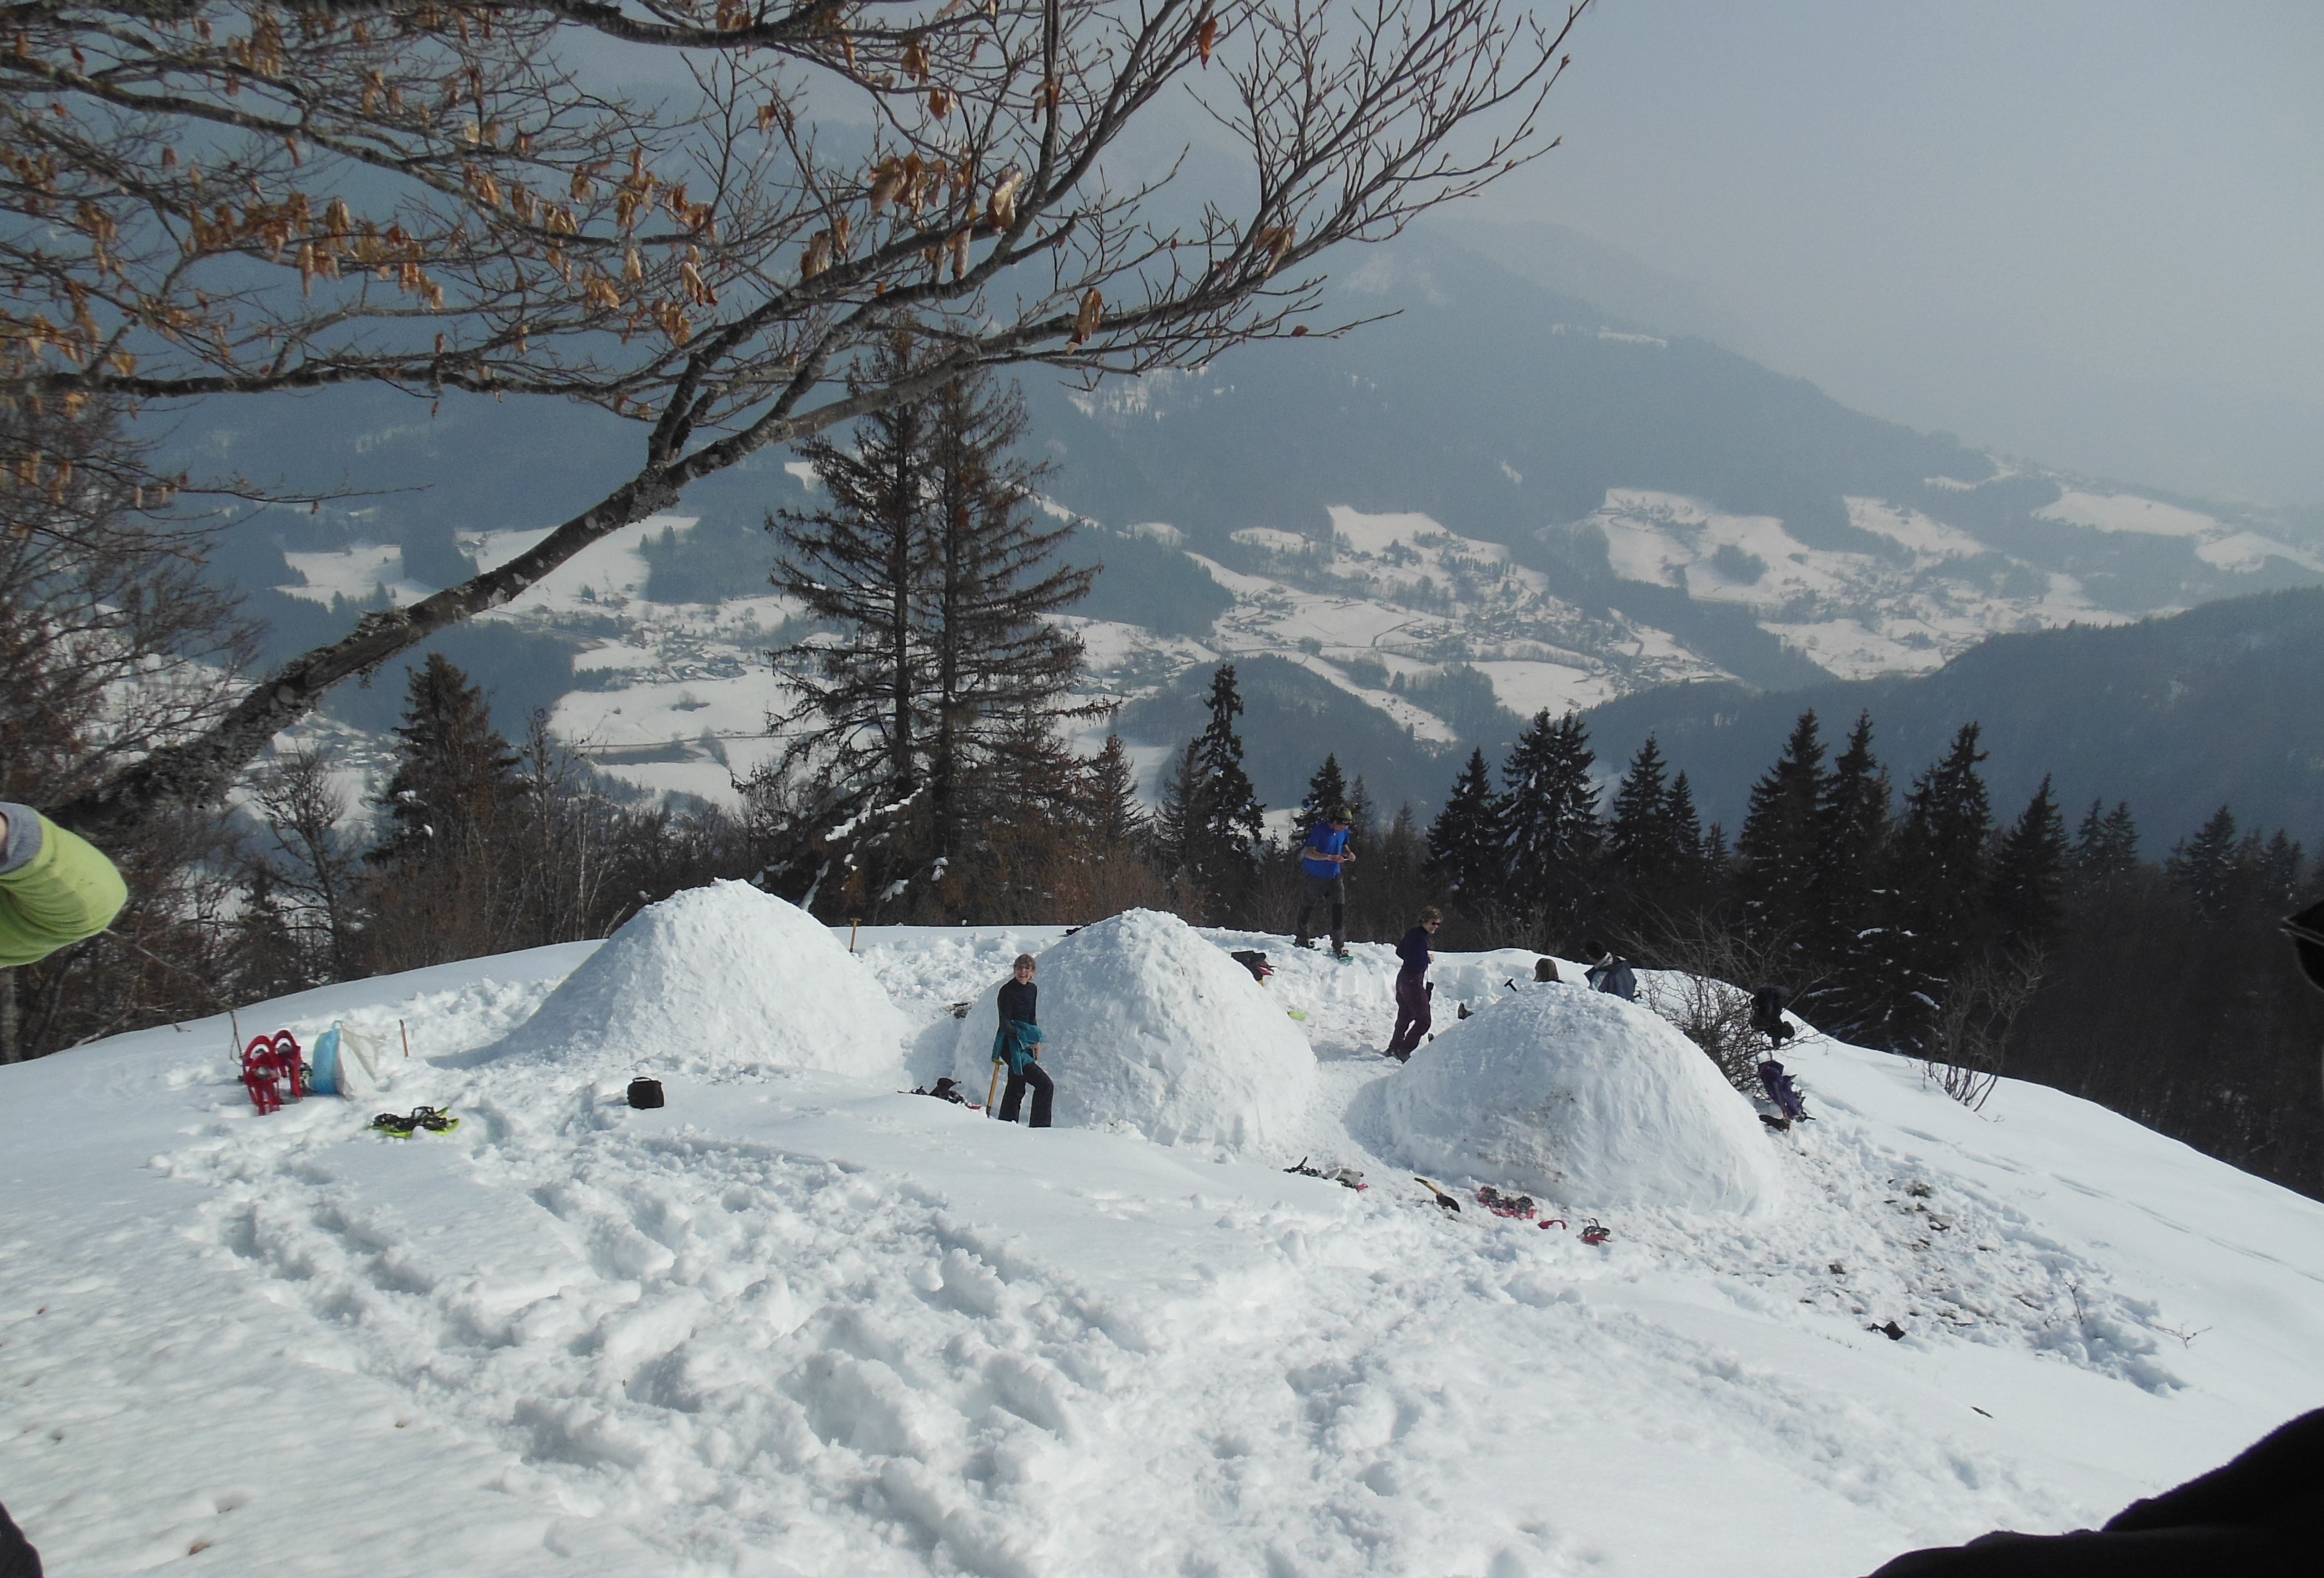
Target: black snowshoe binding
(403, 1125)
(1346, 1177)
(1500, 1204)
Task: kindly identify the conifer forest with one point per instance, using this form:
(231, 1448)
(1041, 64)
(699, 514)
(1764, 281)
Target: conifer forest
(925, 780)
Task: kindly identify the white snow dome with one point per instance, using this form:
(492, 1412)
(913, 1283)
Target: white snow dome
(717, 981)
(1149, 1026)
(1583, 1099)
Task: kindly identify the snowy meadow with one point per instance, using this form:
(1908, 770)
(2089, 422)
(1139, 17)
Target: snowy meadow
(799, 1322)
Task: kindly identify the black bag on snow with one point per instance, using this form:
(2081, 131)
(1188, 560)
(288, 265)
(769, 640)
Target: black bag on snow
(1767, 1013)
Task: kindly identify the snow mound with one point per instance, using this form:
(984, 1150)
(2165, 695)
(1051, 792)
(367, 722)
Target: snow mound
(1583, 1099)
(715, 981)
(1153, 1027)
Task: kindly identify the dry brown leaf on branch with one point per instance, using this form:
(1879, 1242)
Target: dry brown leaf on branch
(1085, 321)
(1001, 212)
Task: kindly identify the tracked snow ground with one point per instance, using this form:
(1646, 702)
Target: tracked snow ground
(796, 1324)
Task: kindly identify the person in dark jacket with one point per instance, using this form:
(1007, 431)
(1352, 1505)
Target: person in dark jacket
(18, 1559)
(1018, 1045)
(2260, 1517)
(1613, 974)
(1412, 987)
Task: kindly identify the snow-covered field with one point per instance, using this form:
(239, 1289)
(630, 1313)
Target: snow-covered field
(796, 1323)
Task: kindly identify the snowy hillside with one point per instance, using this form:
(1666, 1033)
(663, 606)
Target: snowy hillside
(795, 1323)
(674, 697)
(1493, 475)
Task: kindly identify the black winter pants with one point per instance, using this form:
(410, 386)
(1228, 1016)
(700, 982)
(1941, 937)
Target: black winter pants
(1412, 1016)
(1045, 1091)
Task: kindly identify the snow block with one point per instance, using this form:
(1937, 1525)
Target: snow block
(1151, 1026)
(713, 981)
(1584, 1099)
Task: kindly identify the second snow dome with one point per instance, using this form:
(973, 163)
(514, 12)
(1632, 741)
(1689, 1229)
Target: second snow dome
(1151, 1028)
(1583, 1099)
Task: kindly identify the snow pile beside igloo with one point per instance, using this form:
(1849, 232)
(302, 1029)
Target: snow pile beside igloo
(715, 981)
(1151, 1026)
(1583, 1099)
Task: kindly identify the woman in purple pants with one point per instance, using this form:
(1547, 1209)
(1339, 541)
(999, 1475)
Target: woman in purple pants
(1412, 1016)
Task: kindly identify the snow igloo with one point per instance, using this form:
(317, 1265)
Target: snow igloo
(1583, 1099)
(1150, 1026)
(713, 982)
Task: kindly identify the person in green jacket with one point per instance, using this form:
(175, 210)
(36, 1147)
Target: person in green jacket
(55, 888)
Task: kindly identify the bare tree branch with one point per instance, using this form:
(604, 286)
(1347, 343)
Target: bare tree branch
(206, 200)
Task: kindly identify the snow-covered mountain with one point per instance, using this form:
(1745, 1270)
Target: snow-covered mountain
(1495, 478)
(796, 1324)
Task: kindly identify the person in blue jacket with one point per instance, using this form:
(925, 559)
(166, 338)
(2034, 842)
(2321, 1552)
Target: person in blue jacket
(1018, 1045)
(1320, 859)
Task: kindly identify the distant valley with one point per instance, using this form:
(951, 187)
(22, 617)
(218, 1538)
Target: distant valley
(1496, 500)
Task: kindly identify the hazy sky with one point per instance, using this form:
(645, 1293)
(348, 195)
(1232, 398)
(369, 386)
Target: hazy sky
(2087, 231)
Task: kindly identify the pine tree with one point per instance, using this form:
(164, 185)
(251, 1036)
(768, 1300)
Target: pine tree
(934, 679)
(455, 775)
(1363, 815)
(1781, 845)
(1941, 877)
(1464, 842)
(1115, 815)
(2203, 867)
(2279, 868)
(1000, 671)
(1699, 873)
(2106, 845)
(1550, 831)
(1649, 850)
(443, 884)
(1214, 816)
(268, 960)
(2029, 870)
(1849, 932)
(855, 563)
(1327, 789)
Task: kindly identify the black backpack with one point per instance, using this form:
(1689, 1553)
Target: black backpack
(1617, 977)
(1767, 1013)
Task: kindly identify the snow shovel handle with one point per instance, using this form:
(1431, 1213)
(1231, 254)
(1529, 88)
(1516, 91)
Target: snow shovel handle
(992, 1089)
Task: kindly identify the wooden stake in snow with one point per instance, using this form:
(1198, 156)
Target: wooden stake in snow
(407, 1038)
(852, 926)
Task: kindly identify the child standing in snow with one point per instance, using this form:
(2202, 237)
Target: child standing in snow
(1412, 988)
(1018, 1044)
(1320, 858)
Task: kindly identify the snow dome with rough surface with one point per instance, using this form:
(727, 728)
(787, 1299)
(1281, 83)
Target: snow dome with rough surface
(1148, 1025)
(1583, 1099)
(715, 981)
